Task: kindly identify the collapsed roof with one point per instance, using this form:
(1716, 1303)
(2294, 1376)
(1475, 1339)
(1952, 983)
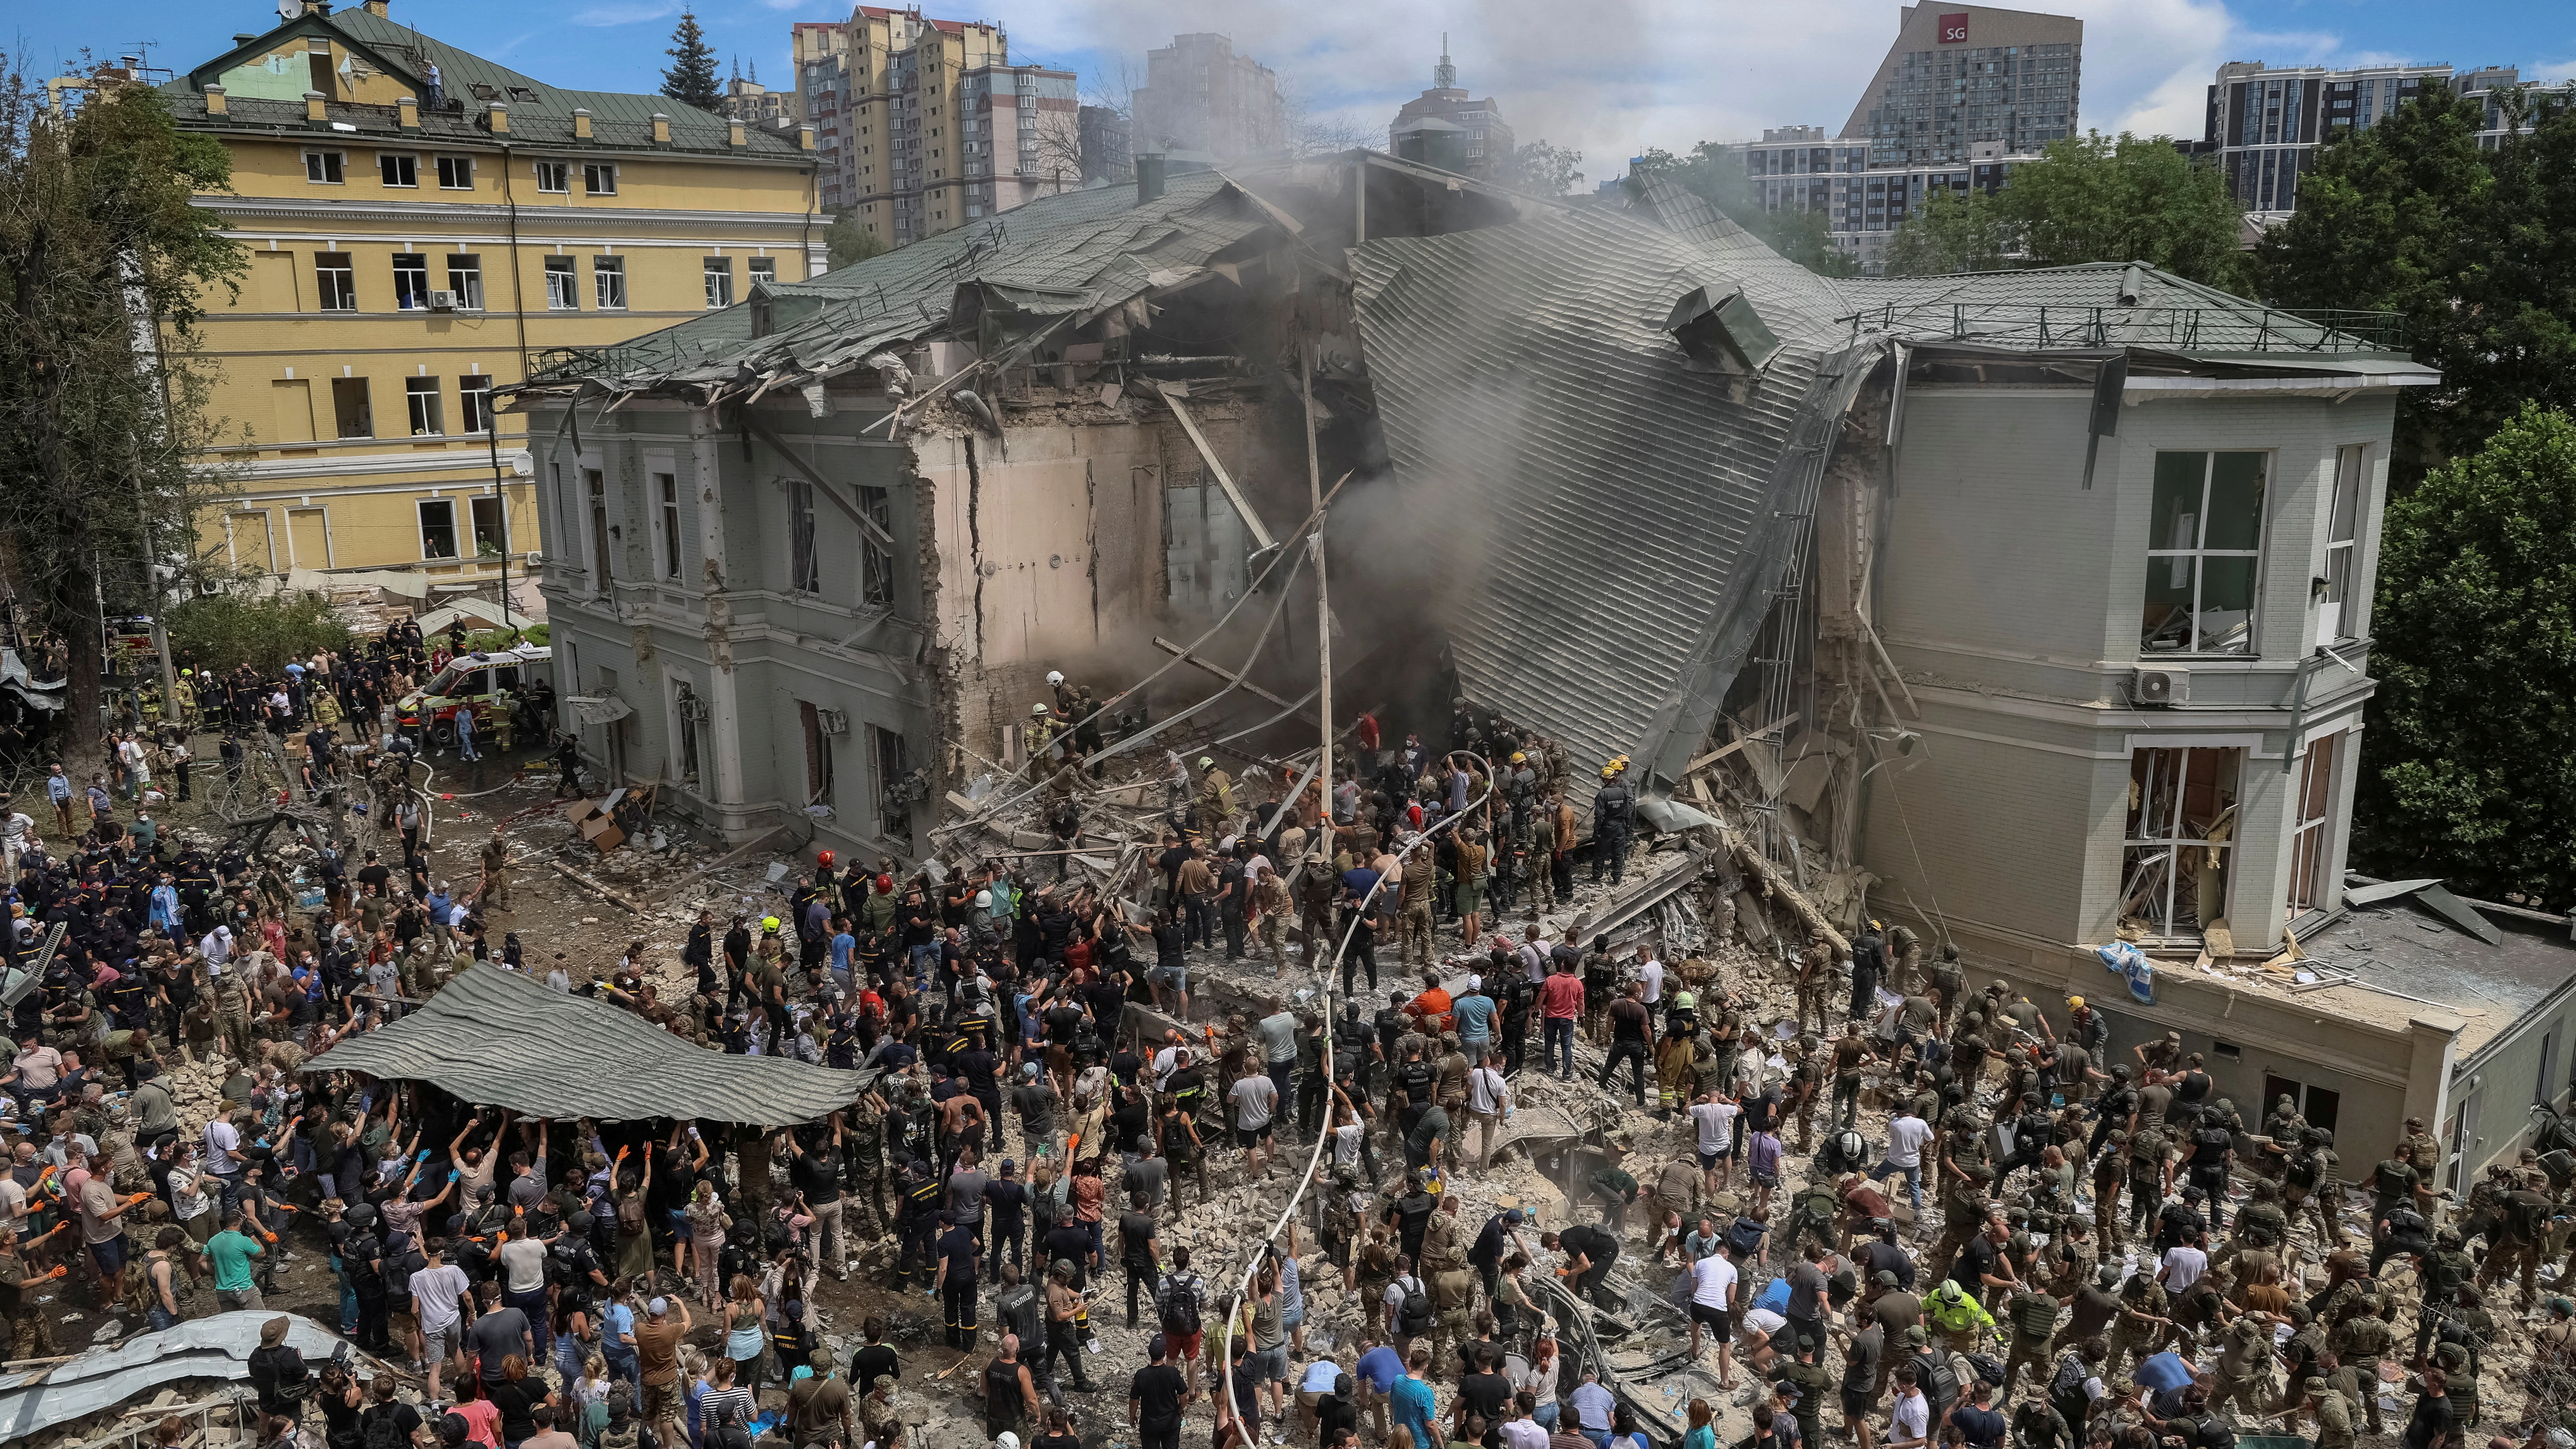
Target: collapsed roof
(1607, 419)
(496, 1037)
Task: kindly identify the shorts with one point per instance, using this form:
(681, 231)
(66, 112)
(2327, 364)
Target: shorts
(1184, 1345)
(1855, 1404)
(1250, 1137)
(1718, 1319)
(1765, 1179)
(1471, 897)
(1175, 977)
(437, 1343)
(109, 1255)
(1709, 1160)
(1271, 1363)
(680, 1230)
(662, 1401)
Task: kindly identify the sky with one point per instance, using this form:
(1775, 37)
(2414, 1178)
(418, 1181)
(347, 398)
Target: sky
(1608, 78)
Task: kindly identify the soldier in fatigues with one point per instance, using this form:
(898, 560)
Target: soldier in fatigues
(1815, 979)
(2141, 1321)
(2033, 1316)
(2333, 1414)
(31, 1330)
(863, 1163)
(2359, 1343)
(495, 892)
(2310, 1186)
(2446, 1270)
(1949, 981)
(1415, 925)
(2244, 1371)
(2422, 1153)
(232, 1012)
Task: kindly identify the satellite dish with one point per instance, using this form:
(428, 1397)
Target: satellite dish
(289, 9)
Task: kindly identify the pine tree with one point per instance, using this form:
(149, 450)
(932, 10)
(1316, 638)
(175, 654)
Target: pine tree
(691, 79)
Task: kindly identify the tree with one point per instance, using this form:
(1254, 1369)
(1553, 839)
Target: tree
(2466, 772)
(691, 78)
(104, 265)
(1955, 231)
(1716, 174)
(2090, 198)
(1541, 169)
(2474, 248)
(223, 630)
(846, 241)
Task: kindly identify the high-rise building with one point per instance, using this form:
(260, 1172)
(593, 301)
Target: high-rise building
(925, 125)
(750, 101)
(1450, 128)
(2265, 123)
(384, 300)
(1106, 154)
(1200, 96)
(1963, 96)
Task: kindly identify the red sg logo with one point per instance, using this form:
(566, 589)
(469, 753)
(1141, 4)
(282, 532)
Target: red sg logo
(1954, 28)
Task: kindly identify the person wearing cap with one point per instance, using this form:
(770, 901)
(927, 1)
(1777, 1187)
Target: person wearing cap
(657, 1355)
(1214, 800)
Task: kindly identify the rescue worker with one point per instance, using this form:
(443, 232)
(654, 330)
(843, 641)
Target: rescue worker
(1613, 817)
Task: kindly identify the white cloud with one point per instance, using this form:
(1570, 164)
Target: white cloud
(626, 14)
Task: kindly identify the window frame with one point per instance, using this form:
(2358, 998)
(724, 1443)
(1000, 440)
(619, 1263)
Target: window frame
(603, 272)
(336, 286)
(563, 283)
(818, 755)
(421, 514)
(714, 270)
(594, 482)
(2139, 849)
(2312, 832)
(594, 173)
(666, 523)
(804, 556)
(466, 281)
(498, 504)
(474, 402)
(760, 269)
(876, 561)
(324, 166)
(390, 163)
(2200, 555)
(2343, 543)
(411, 283)
(561, 174)
(424, 402)
(888, 761)
(449, 167)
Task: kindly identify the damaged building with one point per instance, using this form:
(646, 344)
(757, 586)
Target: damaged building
(2028, 609)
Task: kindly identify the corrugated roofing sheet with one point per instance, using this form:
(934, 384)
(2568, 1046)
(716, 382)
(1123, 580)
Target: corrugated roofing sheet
(1625, 501)
(496, 1037)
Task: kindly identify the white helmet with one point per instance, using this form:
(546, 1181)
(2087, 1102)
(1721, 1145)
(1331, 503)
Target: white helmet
(1038, 708)
(983, 900)
(1055, 677)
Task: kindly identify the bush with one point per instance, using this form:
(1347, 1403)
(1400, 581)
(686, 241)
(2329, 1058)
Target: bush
(222, 631)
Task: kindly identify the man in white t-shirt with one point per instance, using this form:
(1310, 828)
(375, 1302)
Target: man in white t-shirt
(1713, 1281)
(1488, 1098)
(2183, 1265)
(1650, 972)
(1907, 1135)
(16, 829)
(1714, 1114)
(1254, 1098)
(1910, 1426)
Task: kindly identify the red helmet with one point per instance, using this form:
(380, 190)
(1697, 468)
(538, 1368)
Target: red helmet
(824, 860)
(885, 885)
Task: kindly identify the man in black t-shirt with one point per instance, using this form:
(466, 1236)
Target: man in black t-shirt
(1589, 1251)
(959, 1256)
(1156, 1398)
(1136, 1251)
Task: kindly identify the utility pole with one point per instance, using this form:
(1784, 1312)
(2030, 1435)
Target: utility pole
(501, 502)
(1323, 603)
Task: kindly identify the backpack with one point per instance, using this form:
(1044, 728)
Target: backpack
(377, 1430)
(2215, 1433)
(1743, 1236)
(1413, 1314)
(2215, 1141)
(1180, 1307)
(2066, 1389)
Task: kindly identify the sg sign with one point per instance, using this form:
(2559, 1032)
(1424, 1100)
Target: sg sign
(1954, 28)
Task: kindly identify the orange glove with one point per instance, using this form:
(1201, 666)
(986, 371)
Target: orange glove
(268, 1237)
(59, 1270)
(135, 1197)
(49, 1171)
(621, 1153)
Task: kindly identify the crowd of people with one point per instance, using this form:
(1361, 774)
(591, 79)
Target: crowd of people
(1044, 1107)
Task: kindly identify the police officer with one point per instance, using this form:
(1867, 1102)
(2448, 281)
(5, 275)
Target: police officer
(1613, 817)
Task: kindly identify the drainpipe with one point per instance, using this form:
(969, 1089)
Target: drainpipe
(2308, 668)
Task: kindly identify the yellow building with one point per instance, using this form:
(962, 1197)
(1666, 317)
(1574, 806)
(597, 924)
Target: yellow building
(423, 225)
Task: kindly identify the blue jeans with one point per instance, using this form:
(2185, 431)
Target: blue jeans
(159, 1317)
(1558, 1044)
(923, 959)
(622, 1363)
(1545, 1416)
(1913, 1180)
(348, 1298)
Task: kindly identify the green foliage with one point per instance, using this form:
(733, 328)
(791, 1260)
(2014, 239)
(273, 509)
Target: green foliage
(1954, 232)
(224, 630)
(486, 641)
(2475, 248)
(2092, 198)
(1541, 169)
(691, 78)
(847, 241)
(2466, 773)
(1716, 174)
(100, 428)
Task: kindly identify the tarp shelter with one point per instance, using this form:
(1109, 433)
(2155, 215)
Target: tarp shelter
(496, 1037)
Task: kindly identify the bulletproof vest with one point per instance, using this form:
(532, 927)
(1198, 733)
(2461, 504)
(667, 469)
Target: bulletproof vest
(2393, 1178)
(1023, 1311)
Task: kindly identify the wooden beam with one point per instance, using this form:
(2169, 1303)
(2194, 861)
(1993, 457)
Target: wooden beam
(867, 525)
(1777, 886)
(1190, 425)
(1230, 677)
(1722, 751)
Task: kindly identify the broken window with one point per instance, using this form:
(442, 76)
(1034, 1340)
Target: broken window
(666, 494)
(876, 561)
(563, 292)
(804, 569)
(2311, 841)
(2204, 553)
(687, 707)
(818, 755)
(894, 812)
(437, 528)
(595, 483)
(2343, 531)
(2181, 832)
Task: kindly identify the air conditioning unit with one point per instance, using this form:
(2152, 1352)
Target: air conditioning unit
(2161, 685)
(832, 721)
(442, 301)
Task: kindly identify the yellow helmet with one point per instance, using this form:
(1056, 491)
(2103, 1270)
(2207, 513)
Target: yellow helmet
(1519, 757)
(769, 923)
